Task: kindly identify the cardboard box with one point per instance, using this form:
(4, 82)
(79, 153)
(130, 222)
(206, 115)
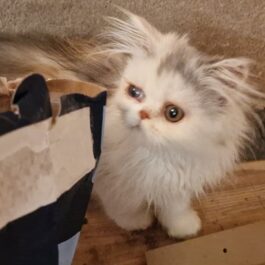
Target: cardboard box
(243, 245)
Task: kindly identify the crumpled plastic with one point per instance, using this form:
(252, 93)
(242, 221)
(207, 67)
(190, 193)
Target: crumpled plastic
(7, 87)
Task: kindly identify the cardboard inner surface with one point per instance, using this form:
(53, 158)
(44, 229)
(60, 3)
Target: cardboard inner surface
(36, 162)
(244, 245)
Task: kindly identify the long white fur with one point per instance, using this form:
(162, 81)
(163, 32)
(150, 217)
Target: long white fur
(153, 167)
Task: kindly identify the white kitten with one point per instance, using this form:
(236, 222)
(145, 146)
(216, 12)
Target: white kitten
(177, 123)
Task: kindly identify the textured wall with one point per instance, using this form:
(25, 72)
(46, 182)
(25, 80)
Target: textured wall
(225, 27)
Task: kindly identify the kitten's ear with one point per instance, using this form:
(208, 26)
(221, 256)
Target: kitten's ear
(232, 72)
(238, 81)
(134, 36)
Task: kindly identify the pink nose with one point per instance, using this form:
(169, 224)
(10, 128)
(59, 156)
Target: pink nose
(144, 115)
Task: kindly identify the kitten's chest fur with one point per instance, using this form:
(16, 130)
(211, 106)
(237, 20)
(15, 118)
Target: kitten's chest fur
(134, 165)
(130, 163)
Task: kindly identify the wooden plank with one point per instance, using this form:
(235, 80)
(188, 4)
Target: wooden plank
(239, 201)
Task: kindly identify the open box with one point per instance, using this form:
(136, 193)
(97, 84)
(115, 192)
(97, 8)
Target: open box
(49, 148)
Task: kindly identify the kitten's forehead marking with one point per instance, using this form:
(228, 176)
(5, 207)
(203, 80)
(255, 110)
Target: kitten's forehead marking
(177, 62)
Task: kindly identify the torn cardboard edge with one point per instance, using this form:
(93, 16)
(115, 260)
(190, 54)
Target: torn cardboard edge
(61, 87)
(243, 245)
(65, 87)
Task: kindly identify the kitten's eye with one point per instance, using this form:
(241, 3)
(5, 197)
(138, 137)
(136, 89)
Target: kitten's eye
(173, 113)
(136, 92)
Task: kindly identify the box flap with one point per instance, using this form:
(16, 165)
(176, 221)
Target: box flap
(243, 245)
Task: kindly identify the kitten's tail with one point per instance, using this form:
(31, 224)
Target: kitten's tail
(82, 59)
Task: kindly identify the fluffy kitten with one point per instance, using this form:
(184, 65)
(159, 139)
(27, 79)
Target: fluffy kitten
(176, 123)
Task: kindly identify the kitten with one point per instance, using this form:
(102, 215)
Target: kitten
(177, 122)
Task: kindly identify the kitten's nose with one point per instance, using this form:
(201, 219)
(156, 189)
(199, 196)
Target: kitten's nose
(144, 115)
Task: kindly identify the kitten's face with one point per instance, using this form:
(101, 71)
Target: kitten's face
(171, 94)
(162, 105)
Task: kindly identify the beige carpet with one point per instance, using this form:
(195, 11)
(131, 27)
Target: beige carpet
(229, 27)
(225, 27)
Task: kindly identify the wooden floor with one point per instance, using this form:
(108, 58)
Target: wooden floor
(239, 202)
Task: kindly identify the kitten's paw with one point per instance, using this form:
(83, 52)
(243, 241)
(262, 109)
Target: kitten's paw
(188, 224)
(135, 222)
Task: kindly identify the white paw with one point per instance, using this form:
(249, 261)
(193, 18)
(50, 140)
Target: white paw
(187, 224)
(135, 222)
